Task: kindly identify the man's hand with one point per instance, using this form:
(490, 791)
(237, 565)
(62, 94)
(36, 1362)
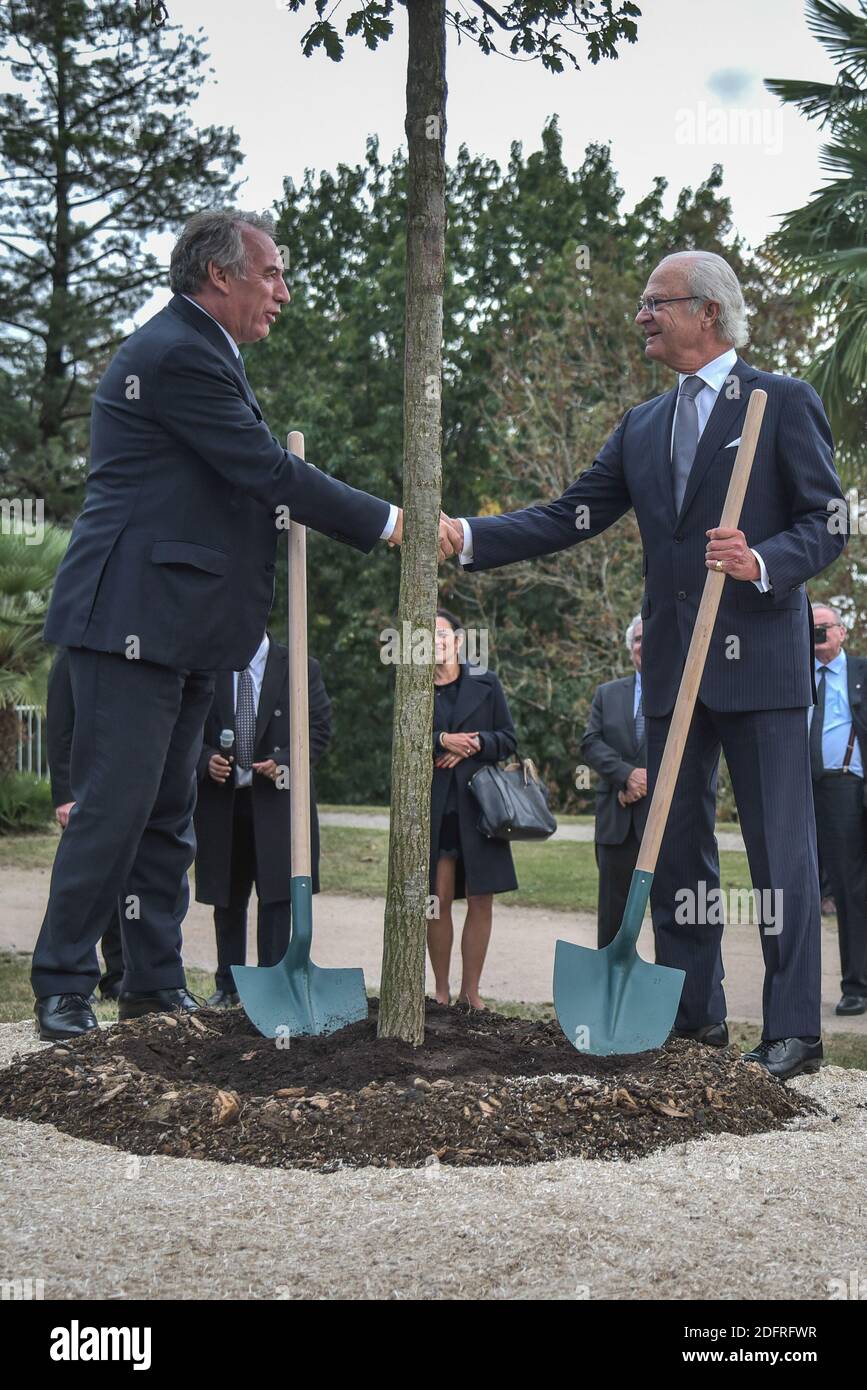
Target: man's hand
(728, 551)
(267, 769)
(636, 787)
(62, 813)
(456, 532)
(451, 535)
(218, 768)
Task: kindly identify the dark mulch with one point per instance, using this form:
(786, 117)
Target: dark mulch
(483, 1089)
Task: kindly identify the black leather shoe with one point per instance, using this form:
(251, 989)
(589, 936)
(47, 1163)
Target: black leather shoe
(787, 1057)
(711, 1034)
(224, 999)
(852, 1004)
(156, 1001)
(60, 1016)
(109, 993)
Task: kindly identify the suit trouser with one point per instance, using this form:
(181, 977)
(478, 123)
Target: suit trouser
(274, 920)
(129, 839)
(111, 946)
(769, 762)
(840, 825)
(616, 867)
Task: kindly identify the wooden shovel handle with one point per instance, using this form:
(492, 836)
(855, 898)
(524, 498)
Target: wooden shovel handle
(690, 681)
(299, 716)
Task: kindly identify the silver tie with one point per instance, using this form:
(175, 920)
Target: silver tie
(685, 437)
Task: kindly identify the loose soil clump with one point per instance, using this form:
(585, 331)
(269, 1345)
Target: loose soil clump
(483, 1089)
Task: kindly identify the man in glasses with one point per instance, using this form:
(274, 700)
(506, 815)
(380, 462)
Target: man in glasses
(671, 459)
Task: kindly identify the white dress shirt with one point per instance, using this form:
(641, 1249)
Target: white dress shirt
(392, 514)
(243, 775)
(714, 374)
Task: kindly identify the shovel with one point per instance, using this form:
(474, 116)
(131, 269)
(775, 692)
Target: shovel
(612, 1001)
(297, 997)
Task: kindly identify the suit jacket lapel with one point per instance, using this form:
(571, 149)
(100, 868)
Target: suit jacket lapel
(661, 437)
(471, 693)
(224, 700)
(627, 695)
(730, 405)
(273, 681)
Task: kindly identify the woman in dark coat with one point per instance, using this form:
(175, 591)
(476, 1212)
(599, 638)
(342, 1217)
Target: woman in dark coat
(472, 726)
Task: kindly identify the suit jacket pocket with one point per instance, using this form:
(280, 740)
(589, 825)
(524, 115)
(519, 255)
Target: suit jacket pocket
(200, 557)
(748, 598)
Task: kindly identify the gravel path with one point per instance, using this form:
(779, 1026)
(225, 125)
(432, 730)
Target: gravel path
(348, 931)
(769, 1217)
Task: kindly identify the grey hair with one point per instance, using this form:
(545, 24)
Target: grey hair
(213, 236)
(630, 631)
(708, 276)
(831, 609)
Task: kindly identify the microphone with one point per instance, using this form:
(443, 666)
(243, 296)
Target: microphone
(227, 745)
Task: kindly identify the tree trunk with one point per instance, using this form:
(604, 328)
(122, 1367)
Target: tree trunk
(54, 374)
(401, 1012)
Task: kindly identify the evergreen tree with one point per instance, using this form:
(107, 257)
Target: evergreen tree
(98, 153)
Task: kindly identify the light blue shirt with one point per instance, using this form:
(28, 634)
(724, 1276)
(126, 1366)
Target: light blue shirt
(838, 717)
(637, 696)
(392, 514)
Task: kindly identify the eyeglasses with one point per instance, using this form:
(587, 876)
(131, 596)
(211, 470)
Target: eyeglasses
(651, 305)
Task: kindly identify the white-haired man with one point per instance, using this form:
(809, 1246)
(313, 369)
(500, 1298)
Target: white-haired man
(671, 459)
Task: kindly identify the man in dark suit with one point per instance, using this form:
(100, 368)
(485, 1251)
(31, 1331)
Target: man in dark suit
(671, 459)
(168, 577)
(242, 818)
(838, 736)
(615, 746)
(59, 724)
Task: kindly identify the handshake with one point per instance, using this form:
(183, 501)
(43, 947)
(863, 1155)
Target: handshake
(451, 535)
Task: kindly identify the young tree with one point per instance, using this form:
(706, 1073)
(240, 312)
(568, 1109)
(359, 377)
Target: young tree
(529, 30)
(97, 152)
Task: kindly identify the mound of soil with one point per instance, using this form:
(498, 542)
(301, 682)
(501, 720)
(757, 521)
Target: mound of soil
(483, 1089)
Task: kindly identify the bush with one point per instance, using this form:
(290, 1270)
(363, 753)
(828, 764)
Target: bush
(25, 804)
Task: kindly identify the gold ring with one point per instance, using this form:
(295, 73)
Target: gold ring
(719, 564)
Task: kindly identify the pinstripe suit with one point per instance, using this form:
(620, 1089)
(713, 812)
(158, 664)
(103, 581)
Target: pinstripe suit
(755, 690)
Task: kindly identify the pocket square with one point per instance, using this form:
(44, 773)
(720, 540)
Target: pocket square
(733, 443)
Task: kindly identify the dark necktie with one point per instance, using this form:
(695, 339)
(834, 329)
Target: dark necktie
(817, 764)
(245, 721)
(685, 440)
(639, 721)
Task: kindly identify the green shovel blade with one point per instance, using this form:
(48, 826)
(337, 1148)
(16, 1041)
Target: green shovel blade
(611, 1001)
(297, 998)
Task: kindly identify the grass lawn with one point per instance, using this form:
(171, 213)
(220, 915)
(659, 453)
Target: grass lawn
(559, 875)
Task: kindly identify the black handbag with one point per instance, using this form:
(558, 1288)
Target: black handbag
(513, 802)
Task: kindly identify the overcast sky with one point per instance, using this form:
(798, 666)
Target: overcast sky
(669, 105)
(687, 95)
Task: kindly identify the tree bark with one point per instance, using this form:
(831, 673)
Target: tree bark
(401, 1013)
(54, 374)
